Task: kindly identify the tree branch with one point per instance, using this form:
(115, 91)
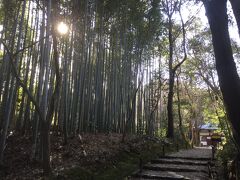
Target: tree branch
(21, 83)
(184, 43)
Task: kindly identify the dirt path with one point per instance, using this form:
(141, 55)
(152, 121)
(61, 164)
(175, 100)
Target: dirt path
(186, 164)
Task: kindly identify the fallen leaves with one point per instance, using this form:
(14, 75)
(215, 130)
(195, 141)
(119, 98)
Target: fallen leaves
(89, 151)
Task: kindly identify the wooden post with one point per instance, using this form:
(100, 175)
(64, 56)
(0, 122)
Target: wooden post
(163, 150)
(213, 152)
(140, 164)
(209, 170)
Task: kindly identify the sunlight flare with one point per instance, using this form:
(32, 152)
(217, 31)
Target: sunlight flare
(62, 28)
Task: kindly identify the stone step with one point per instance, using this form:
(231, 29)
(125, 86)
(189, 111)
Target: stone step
(148, 174)
(176, 168)
(187, 158)
(180, 161)
(186, 164)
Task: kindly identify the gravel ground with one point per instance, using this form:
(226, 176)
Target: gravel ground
(197, 152)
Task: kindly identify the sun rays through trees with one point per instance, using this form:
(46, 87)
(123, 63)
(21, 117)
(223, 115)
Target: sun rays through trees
(131, 67)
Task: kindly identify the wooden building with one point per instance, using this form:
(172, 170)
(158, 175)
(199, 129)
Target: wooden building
(205, 133)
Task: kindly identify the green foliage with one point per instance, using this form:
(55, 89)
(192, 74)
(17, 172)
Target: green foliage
(179, 140)
(1, 13)
(8, 9)
(141, 19)
(228, 152)
(1, 54)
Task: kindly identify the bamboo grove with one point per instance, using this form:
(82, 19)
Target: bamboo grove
(104, 65)
(108, 74)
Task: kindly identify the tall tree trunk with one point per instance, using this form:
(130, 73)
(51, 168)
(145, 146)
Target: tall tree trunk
(236, 11)
(8, 108)
(170, 130)
(180, 114)
(226, 68)
(172, 70)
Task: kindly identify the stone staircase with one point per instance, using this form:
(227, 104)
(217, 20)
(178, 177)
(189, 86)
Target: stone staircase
(194, 164)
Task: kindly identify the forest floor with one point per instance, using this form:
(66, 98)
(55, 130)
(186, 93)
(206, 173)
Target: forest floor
(89, 156)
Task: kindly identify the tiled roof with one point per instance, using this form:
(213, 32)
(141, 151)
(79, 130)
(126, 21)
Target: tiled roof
(208, 126)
